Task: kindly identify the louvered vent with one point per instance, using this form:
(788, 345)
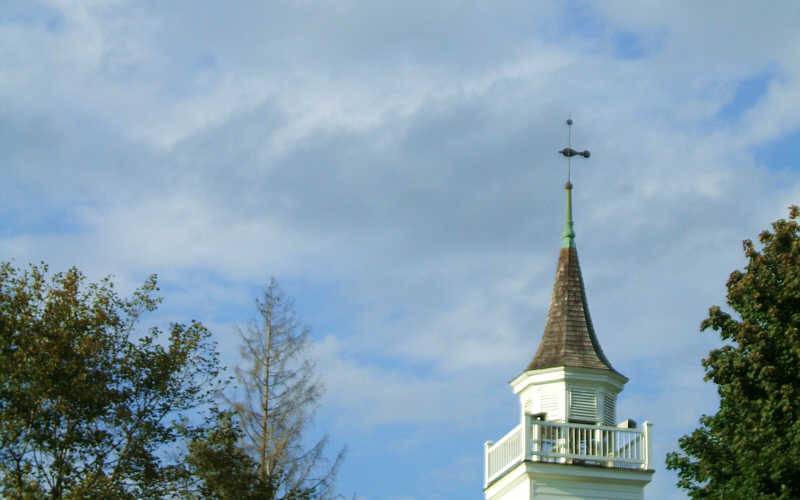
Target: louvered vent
(583, 405)
(610, 409)
(529, 406)
(549, 403)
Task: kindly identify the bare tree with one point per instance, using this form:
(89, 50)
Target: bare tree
(278, 399)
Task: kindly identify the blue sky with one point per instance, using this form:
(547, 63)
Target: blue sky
(394, 166)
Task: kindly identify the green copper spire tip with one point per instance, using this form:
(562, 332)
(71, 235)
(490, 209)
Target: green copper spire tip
(568, 236)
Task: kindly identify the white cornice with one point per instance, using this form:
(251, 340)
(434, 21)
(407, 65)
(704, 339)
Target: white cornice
(594, 376)
(579, 472)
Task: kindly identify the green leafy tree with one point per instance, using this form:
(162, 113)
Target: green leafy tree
(219, 468)
(279, 396)
(750, 449)
(89, 403)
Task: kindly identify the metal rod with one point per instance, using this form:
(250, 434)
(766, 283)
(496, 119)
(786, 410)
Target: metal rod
(569, 145)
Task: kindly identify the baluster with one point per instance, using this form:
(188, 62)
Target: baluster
(587, 436)
(628, 446)
(626, 451)
(570, 439)
(584, 442)
(614, 444)
(631, 446)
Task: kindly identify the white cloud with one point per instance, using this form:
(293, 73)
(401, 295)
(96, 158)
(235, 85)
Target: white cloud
(406, 155)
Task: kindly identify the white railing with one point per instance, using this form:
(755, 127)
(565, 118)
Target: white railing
(506, 452)
(610, 446)
(544, 441)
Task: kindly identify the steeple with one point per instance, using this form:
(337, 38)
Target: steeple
(569, 338)
(569, 442)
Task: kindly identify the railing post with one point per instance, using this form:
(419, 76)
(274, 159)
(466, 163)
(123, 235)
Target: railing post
(648, 444)
(486, 446)
(527, 436)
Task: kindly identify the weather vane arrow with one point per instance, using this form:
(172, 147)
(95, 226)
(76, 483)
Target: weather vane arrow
(568, 152)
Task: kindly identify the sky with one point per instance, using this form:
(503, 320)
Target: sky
(394, 166)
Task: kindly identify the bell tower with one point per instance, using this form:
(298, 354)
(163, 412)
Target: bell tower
(569, 442)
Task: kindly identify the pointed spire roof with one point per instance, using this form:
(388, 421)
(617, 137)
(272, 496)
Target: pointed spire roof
(569, 338)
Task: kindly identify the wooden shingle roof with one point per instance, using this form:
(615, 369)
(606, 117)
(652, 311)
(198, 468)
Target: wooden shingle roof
(569, 338)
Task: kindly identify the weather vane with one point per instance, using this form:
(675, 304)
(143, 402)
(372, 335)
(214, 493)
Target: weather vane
(568, 152)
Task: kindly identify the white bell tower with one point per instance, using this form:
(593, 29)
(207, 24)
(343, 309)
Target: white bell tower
(569, 443)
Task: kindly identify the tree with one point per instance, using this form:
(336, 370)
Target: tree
(280, 395)
(751, 447)
(219, 468)
(89, 403)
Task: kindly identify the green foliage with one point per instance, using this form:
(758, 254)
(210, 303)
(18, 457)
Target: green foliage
(88, 403)
(751, 447)
(220, 469)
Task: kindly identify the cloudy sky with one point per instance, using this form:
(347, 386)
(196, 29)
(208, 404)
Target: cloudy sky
(394, 165)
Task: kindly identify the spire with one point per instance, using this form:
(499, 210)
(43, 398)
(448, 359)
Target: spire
(568, 236)
(569, 338)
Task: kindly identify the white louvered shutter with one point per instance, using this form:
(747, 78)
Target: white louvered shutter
(609, 409)
(549, 403)
(583, 405)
